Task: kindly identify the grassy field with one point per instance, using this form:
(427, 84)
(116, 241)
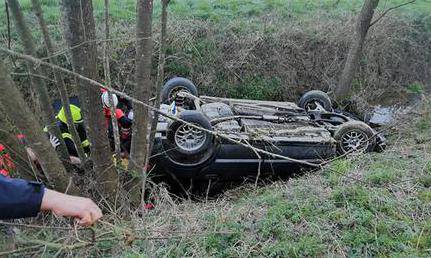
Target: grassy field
(242, 48)
(225, 10)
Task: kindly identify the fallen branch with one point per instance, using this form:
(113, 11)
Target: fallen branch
(34, 226)
(19, 250)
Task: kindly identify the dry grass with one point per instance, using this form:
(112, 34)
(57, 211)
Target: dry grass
(280, 60)
(373, 204)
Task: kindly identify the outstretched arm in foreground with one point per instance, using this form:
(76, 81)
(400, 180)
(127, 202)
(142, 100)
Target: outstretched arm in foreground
(21, 199)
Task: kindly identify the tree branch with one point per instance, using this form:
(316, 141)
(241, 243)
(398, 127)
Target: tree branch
(388, 10)
(8, 23)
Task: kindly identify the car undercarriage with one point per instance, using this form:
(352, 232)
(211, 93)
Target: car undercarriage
(227, 138)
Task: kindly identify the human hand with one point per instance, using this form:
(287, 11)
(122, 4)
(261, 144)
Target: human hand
(84, 210)
(75, 160)
(54, 141)
(130, 115)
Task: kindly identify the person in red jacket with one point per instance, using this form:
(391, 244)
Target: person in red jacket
(124, 122)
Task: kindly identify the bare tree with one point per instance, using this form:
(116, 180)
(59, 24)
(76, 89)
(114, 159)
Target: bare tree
(106, 68)
(80, 34)
(143, 85)
(37, 82)
(160, 72)
(24, 120)
(355, 51)
(61, 86)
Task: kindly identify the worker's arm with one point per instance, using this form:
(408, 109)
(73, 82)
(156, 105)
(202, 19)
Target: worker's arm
(84, 210)
(19, 198)
(123, 120)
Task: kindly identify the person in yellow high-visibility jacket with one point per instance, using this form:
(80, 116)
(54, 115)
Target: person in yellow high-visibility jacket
(65, 133)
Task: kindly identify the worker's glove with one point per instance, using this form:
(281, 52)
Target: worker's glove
(130, 115)
(54, 141)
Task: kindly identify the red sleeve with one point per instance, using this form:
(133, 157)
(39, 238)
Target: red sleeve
(119, 113)
(107, 112)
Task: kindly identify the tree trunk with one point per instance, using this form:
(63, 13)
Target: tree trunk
(37, 83)
(17, 110)
(160, 73)
(362, 25)
(80, 34)
(61, 86)
(143, 85)
(138, 154)
(106, 68)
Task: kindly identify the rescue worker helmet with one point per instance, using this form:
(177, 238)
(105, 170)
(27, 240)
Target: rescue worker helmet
(106, 102)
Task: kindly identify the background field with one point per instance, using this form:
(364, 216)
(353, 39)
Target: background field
(267, 49)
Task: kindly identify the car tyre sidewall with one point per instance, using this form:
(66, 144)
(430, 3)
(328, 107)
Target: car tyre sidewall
(174, 83)
(350, 126)
(315, 95)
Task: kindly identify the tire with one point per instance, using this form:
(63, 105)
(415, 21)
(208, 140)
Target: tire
(174, 85)
(181, 135)
(357, 133)
(309, 98)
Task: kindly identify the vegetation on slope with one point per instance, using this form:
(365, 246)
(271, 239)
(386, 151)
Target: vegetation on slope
(376, 204)
(268, 49)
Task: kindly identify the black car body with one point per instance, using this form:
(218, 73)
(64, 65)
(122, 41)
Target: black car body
(307, 132)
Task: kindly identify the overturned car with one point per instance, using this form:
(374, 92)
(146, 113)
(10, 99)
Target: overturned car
(241, 137)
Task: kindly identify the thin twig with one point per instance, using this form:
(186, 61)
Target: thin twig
(19, 250)
(34, 75)
(6, 6)
(107, 73)
(388, 10)
(259, 166)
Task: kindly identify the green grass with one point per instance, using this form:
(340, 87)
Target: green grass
(224, 10)
(201, 27)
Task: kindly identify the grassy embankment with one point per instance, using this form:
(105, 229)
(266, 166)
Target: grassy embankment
(267, 49)
(376, 204)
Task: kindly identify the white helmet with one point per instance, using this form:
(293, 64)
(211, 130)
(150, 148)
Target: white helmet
(105, 99)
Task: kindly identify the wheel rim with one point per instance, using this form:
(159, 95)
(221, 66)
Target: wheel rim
(189, 139)
(314, 105)
(354, 141)
(173, 95)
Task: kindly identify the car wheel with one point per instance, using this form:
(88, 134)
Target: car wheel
(171, 88)
(315, 100)
(354, 137)
(187, 146)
